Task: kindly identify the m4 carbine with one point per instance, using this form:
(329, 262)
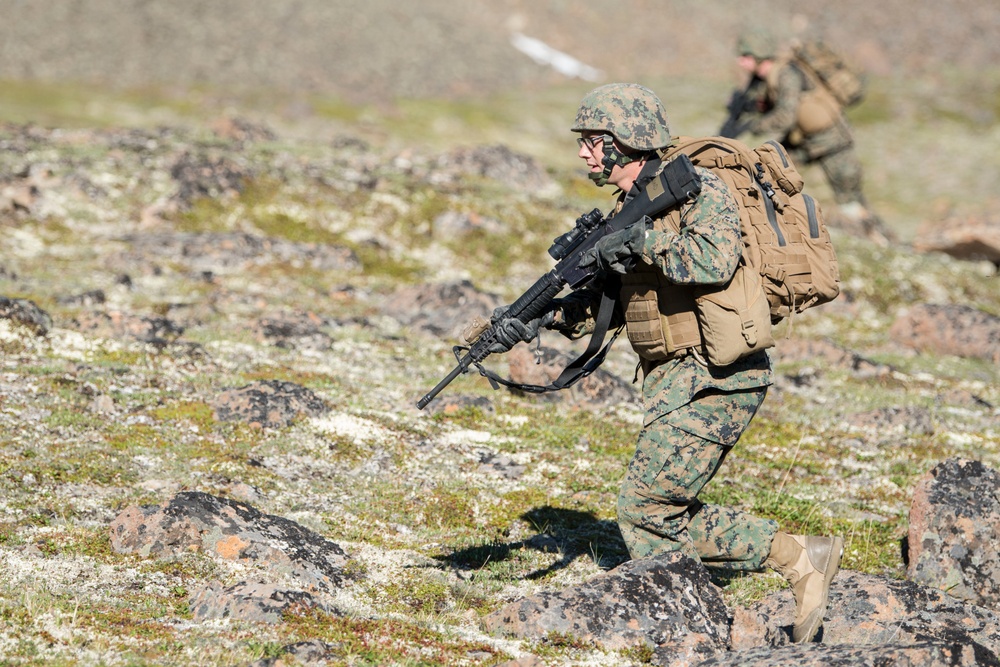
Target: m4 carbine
(676, 183)
(740, 103)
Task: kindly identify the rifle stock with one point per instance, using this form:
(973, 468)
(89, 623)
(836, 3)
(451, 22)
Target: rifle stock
(676, 183)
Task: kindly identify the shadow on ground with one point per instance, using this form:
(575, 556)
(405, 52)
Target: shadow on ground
(570, 533)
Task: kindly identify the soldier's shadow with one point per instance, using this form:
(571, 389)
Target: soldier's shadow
(570, 533)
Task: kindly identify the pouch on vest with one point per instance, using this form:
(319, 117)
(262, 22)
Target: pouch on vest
(818, 110)
(656, 327)
(735, 319)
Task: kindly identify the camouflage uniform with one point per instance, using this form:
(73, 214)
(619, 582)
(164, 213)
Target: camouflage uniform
(832, 148)
(695, 413)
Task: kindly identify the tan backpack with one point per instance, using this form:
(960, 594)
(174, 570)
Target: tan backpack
(823, 64)
(784, 234)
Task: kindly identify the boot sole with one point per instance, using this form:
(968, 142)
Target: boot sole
(830, 569)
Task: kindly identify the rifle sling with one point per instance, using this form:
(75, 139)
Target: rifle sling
(586, 363)
(656, 191)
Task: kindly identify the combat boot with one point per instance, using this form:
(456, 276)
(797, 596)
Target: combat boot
(808, 564)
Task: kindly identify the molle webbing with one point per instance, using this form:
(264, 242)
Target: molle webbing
(660, 316)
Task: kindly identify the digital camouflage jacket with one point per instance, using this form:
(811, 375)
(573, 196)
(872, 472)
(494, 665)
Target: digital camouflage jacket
(781, 104)
(705, 252)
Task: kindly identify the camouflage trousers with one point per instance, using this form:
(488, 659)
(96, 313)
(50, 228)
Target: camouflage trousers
(658, 506)
(833, 150)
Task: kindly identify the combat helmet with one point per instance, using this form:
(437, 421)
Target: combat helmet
(758, 42)
(628, 112)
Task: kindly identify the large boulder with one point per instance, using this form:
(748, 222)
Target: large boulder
(868, 609)
(954, 531)
(666, 603)
(949, 329)
(233, 531)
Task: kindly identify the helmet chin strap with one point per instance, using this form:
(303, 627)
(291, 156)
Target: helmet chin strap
(612, 157)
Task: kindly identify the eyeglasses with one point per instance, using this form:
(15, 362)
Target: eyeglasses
(590, 142)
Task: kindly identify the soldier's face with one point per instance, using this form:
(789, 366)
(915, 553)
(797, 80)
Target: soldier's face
(591, 144)
(592, 150)
(747, 63)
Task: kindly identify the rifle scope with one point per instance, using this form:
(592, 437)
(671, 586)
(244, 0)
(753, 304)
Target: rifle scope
(586, 223)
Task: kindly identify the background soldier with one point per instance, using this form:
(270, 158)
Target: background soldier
(695, 412)
(783, 101)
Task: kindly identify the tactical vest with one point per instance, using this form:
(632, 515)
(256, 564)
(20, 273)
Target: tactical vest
(818, 109)
(660, 318)
(719, 323)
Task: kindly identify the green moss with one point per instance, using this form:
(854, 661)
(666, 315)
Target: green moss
(189, 569)
(67, 104)
(204, 215)
(135, 438)
(197, 413)
(559, 645)
(509, 507)
(642, 655)
(378, 262)
(94, 465)
(447, 507)
(387, 641)
(133, 618)
(92, 543)
(72, 418)
(415, 591)
(260, 650)
(121, 357)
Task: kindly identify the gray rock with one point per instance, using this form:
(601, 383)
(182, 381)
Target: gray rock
(665, 602)
(268, 403)
(971, 238)
(303, 653)
(247, 601)
(954, 531)
(27, 314)
(116, 324)
(868, 609)
(442, 310)
(541, 368)
(949, 329)
(923, 654)
(231, 530)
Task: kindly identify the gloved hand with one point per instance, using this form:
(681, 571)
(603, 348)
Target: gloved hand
(617, 252)
(511, 331)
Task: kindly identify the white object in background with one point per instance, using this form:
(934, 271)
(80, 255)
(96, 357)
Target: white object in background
(543, 54)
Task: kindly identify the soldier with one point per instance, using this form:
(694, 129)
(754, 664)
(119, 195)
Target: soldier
(782, 101)
(694, 412)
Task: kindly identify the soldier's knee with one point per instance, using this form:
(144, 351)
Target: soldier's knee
(637, 510)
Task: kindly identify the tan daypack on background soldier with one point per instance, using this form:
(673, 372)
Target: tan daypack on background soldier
(831, 85)
(844, 82)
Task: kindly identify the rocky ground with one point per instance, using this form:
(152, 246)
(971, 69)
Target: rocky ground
(216, 320)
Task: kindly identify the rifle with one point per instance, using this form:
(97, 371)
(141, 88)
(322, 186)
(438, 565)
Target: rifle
(740, 103)
(676, 183)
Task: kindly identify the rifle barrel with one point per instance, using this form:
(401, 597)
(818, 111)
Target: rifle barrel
(463, 366)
